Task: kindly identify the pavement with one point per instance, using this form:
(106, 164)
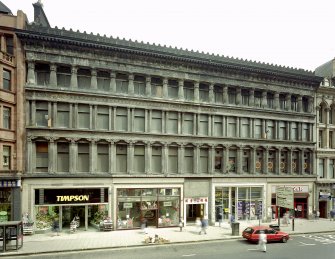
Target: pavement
(94, 239)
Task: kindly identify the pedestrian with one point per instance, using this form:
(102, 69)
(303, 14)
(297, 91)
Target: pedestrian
(55, 226)
(181, 224)
(231, 220)
(262, 241)
(220, 218)
(197, 224)
(204, 225)
(332, 214)
(317, 214)
(144, 225)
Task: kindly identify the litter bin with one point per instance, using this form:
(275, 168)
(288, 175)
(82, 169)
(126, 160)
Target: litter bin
(275, 227)
(235, 229)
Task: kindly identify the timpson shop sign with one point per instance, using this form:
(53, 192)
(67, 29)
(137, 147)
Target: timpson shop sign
(71, 196)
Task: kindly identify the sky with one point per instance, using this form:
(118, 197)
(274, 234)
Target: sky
(290, 33)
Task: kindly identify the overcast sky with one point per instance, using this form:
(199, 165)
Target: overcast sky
(293, 33)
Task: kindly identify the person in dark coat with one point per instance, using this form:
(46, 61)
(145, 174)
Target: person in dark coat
(55, 226)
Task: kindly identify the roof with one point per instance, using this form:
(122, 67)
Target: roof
(4, 9)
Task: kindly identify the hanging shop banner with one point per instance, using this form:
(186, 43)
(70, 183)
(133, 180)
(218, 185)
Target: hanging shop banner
(71, 196)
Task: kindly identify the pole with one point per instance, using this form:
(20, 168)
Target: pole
(278, 214)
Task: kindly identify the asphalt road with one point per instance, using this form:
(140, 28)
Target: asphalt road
(316, 246)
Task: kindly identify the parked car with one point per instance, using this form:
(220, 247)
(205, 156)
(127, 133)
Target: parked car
(252, 234)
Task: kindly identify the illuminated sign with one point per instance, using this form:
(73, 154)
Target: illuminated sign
(73, 198)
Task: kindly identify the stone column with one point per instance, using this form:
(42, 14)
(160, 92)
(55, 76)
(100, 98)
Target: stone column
(74, 79)
(302, 162)
(253, 159)
(131, 84)
(264, 99)
(94, 82)
(211, 93)
(239, 163)
(310, 104)
(75, 117)
(165, 159)
(252, 97)
(130, 157)
(226, 159)
(196, 92)
(276, 101)
(225, 94)
(277, 161)
(73, 156)
(288, 102)
(181, 158)
(148, 85)
(181, 89)
(91, 116)
(93, 150)
(265, 161)
(112, 85)
(31, 80)
(148, 157)
(114, 118)
(179, 123)
(211, 162)
(165, 88)
(112, 156)
(53, 75)
(238, 96)
(299, 103)
(289, 166)
(30, 152)
(196, 158)
(300, 130)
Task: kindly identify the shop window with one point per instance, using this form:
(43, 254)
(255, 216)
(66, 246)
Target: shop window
(232, 95)
(173, 89)
(169, 212)
(218, 94)
(121, 119)
(188, 160)
(218, 159)
(231, 127)
(121, 81)
(45, 216)
(218, 126)
(222, 203)
(139, 159)
(172, 122)
(121, 158)
(203, 93)
(245, 128)
(6, 203)
(139, 120)
(6, 80)
(83, 116)
(188, 124)
(42, 114)
(42, 74)
(173, 160)
(156, 121)
(83, 158)
(6, 157)
(204, 160)
(103, 80)
(188, 91)
(103, 158)
(6, 119)
(63, 115)
(203, 124)
(103, 118)
(245, 97)
(139, 85)
(42, 156)
(156, 87)
(63, 76)
(156, 162)
(63, 157)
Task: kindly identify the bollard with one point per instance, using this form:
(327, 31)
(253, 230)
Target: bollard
(293, 224)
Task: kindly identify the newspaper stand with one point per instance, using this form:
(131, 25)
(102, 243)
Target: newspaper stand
(11, 231)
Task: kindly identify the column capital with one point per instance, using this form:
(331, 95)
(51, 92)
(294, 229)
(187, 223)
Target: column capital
(31, 64)
(112, 74)
(196, 84)
(148, 79)
(130, 76)
(93, 72)
(31, 138)
(53, 67)
(74, 69)
(72, 140)
(181, 82)
(165, 81)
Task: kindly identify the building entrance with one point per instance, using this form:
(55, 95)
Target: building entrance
(194, 211)
(69, 212)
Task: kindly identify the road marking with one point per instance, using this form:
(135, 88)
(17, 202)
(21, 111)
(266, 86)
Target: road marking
(189, 255)
(253, 249)
(304, 244)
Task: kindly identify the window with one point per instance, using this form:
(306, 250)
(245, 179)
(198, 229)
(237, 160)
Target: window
(188, 160)
(188, 91)
(84, 78)
(83, 116)
(258, 99)
(42, 72)
(204, 160)
(232, 127)
(245, 97)
(271, 161)
(172, 122)
(331, 115)
(270, 132)
(6, 123)
(294, 131)
(307, 162)
(9, 45)
(203, 124)
(6, 160)
(173, 160)
(321, 168)
(103, 118)
(121, 83)
(258, 128)
(305, 132)
(121, 158)
(139, 85)
(139, 159)
(103, 158)
(245, 161)
(218, 125)
(121, 119)
(294, 103)
(42, 114)
(103, 80)
(232, 161)
(63, 76)
(63, 157)
(42, 158)
(139, 120)
(282, 130)
(305, 104)
(173, 89)
(156, 121)
(204, 93)
(156, 165)
(320, 144)
(245, 128)
(331, 168)
(6, 77)
(156, 87)
(282, 102)
(63, 115)
(270, 100)
(187, 127)
(320, 114)
(283, 161)
(231, 95)
(83, 158)
(218, 159)
(218, 94)
(331, 138)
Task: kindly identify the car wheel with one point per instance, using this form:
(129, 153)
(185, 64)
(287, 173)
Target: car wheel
(284, 239)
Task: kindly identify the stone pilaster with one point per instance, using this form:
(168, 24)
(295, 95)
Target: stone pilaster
(74, 79)
(31, 80)
(131, 84)
(53, 75)
(181, 89)
(196, 92)
(94, 82)
(112, 85)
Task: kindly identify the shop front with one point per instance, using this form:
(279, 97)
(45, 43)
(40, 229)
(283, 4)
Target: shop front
(156, 207)
(195, 207)
(90, 205)
(301, 205)
(10, 200)
(325, 198)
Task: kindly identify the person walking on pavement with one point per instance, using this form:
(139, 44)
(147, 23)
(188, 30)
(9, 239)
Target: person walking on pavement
(197, 225)
(204, 225)
(262, 241)
(220, 218)
(55, 226)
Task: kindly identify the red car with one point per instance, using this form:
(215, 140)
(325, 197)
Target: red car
(252, 234)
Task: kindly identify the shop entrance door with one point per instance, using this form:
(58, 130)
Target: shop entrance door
(150, 216)
(194, 211)
(322, 209)
(69, 212)
(299, 210)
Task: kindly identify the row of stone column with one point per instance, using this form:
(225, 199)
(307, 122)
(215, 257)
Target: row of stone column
(251, 154)
(31, 80)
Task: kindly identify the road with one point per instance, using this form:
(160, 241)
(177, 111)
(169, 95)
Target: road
(303, 246)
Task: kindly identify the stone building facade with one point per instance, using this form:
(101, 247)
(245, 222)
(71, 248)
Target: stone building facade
(325, 184)
(138, 131)
(12, 73)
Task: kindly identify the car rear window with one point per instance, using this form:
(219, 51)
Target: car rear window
(249, 230)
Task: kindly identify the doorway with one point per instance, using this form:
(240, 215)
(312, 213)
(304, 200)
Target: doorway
(194, 211)
(323, 209)
(69, 212)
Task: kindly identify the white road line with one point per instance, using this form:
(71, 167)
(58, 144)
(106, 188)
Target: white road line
(253, 249)
(189, 255)
(304, 244)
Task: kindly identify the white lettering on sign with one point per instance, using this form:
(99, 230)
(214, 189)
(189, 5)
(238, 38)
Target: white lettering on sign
(296, 188)
(73, 198)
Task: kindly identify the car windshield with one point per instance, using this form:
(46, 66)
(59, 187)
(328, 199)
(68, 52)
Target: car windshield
(248, 230)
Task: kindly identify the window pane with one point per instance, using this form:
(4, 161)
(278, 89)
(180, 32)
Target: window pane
(6, 80)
